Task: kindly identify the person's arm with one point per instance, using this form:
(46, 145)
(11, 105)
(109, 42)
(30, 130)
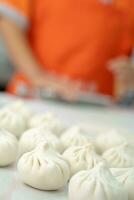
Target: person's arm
(20, 51)
(25, 62)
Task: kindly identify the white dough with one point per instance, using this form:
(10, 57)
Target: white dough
(75, 136)
(8, 148)
(126, 177)
(96, 184)
(82, 158)
(33, 137)
(44, 169)
(120, 156)
(48, 120)
(13, 122)
(108, 140)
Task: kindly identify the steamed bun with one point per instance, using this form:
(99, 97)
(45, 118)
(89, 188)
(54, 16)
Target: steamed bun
(82, 158)
(120, 156)
(8, 148)
(75, 136)
(109, 140)
(13, 122)
(96, 184)
(21, 108)
(44, 169)
(33, 137)
(126, 177)
(48, 120)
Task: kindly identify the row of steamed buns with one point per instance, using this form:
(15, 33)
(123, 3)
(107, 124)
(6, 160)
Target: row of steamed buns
(50, 155)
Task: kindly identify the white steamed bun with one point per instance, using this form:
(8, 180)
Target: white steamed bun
(8, 148)
(126, 177)
(75, 136)
(21, 108)
(48, 120)
(108, 140)
(13, 122)
(33, 137)
(120, 156)
(96, 184)
(44, 169)
(82, 158)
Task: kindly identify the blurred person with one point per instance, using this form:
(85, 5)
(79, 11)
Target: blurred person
(67, 45)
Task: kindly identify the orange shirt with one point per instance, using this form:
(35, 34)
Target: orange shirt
(76, 38)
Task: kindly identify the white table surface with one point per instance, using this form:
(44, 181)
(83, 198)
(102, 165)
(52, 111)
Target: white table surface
(93, 118)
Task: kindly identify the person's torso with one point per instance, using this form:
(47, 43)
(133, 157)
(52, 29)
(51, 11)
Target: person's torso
(77, 38)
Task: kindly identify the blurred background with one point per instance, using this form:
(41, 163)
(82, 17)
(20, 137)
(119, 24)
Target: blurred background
(112, 72)
(6, 69)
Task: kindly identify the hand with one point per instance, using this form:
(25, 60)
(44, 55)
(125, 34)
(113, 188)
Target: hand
(123, 69)
(63, 86)
(67, 89)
